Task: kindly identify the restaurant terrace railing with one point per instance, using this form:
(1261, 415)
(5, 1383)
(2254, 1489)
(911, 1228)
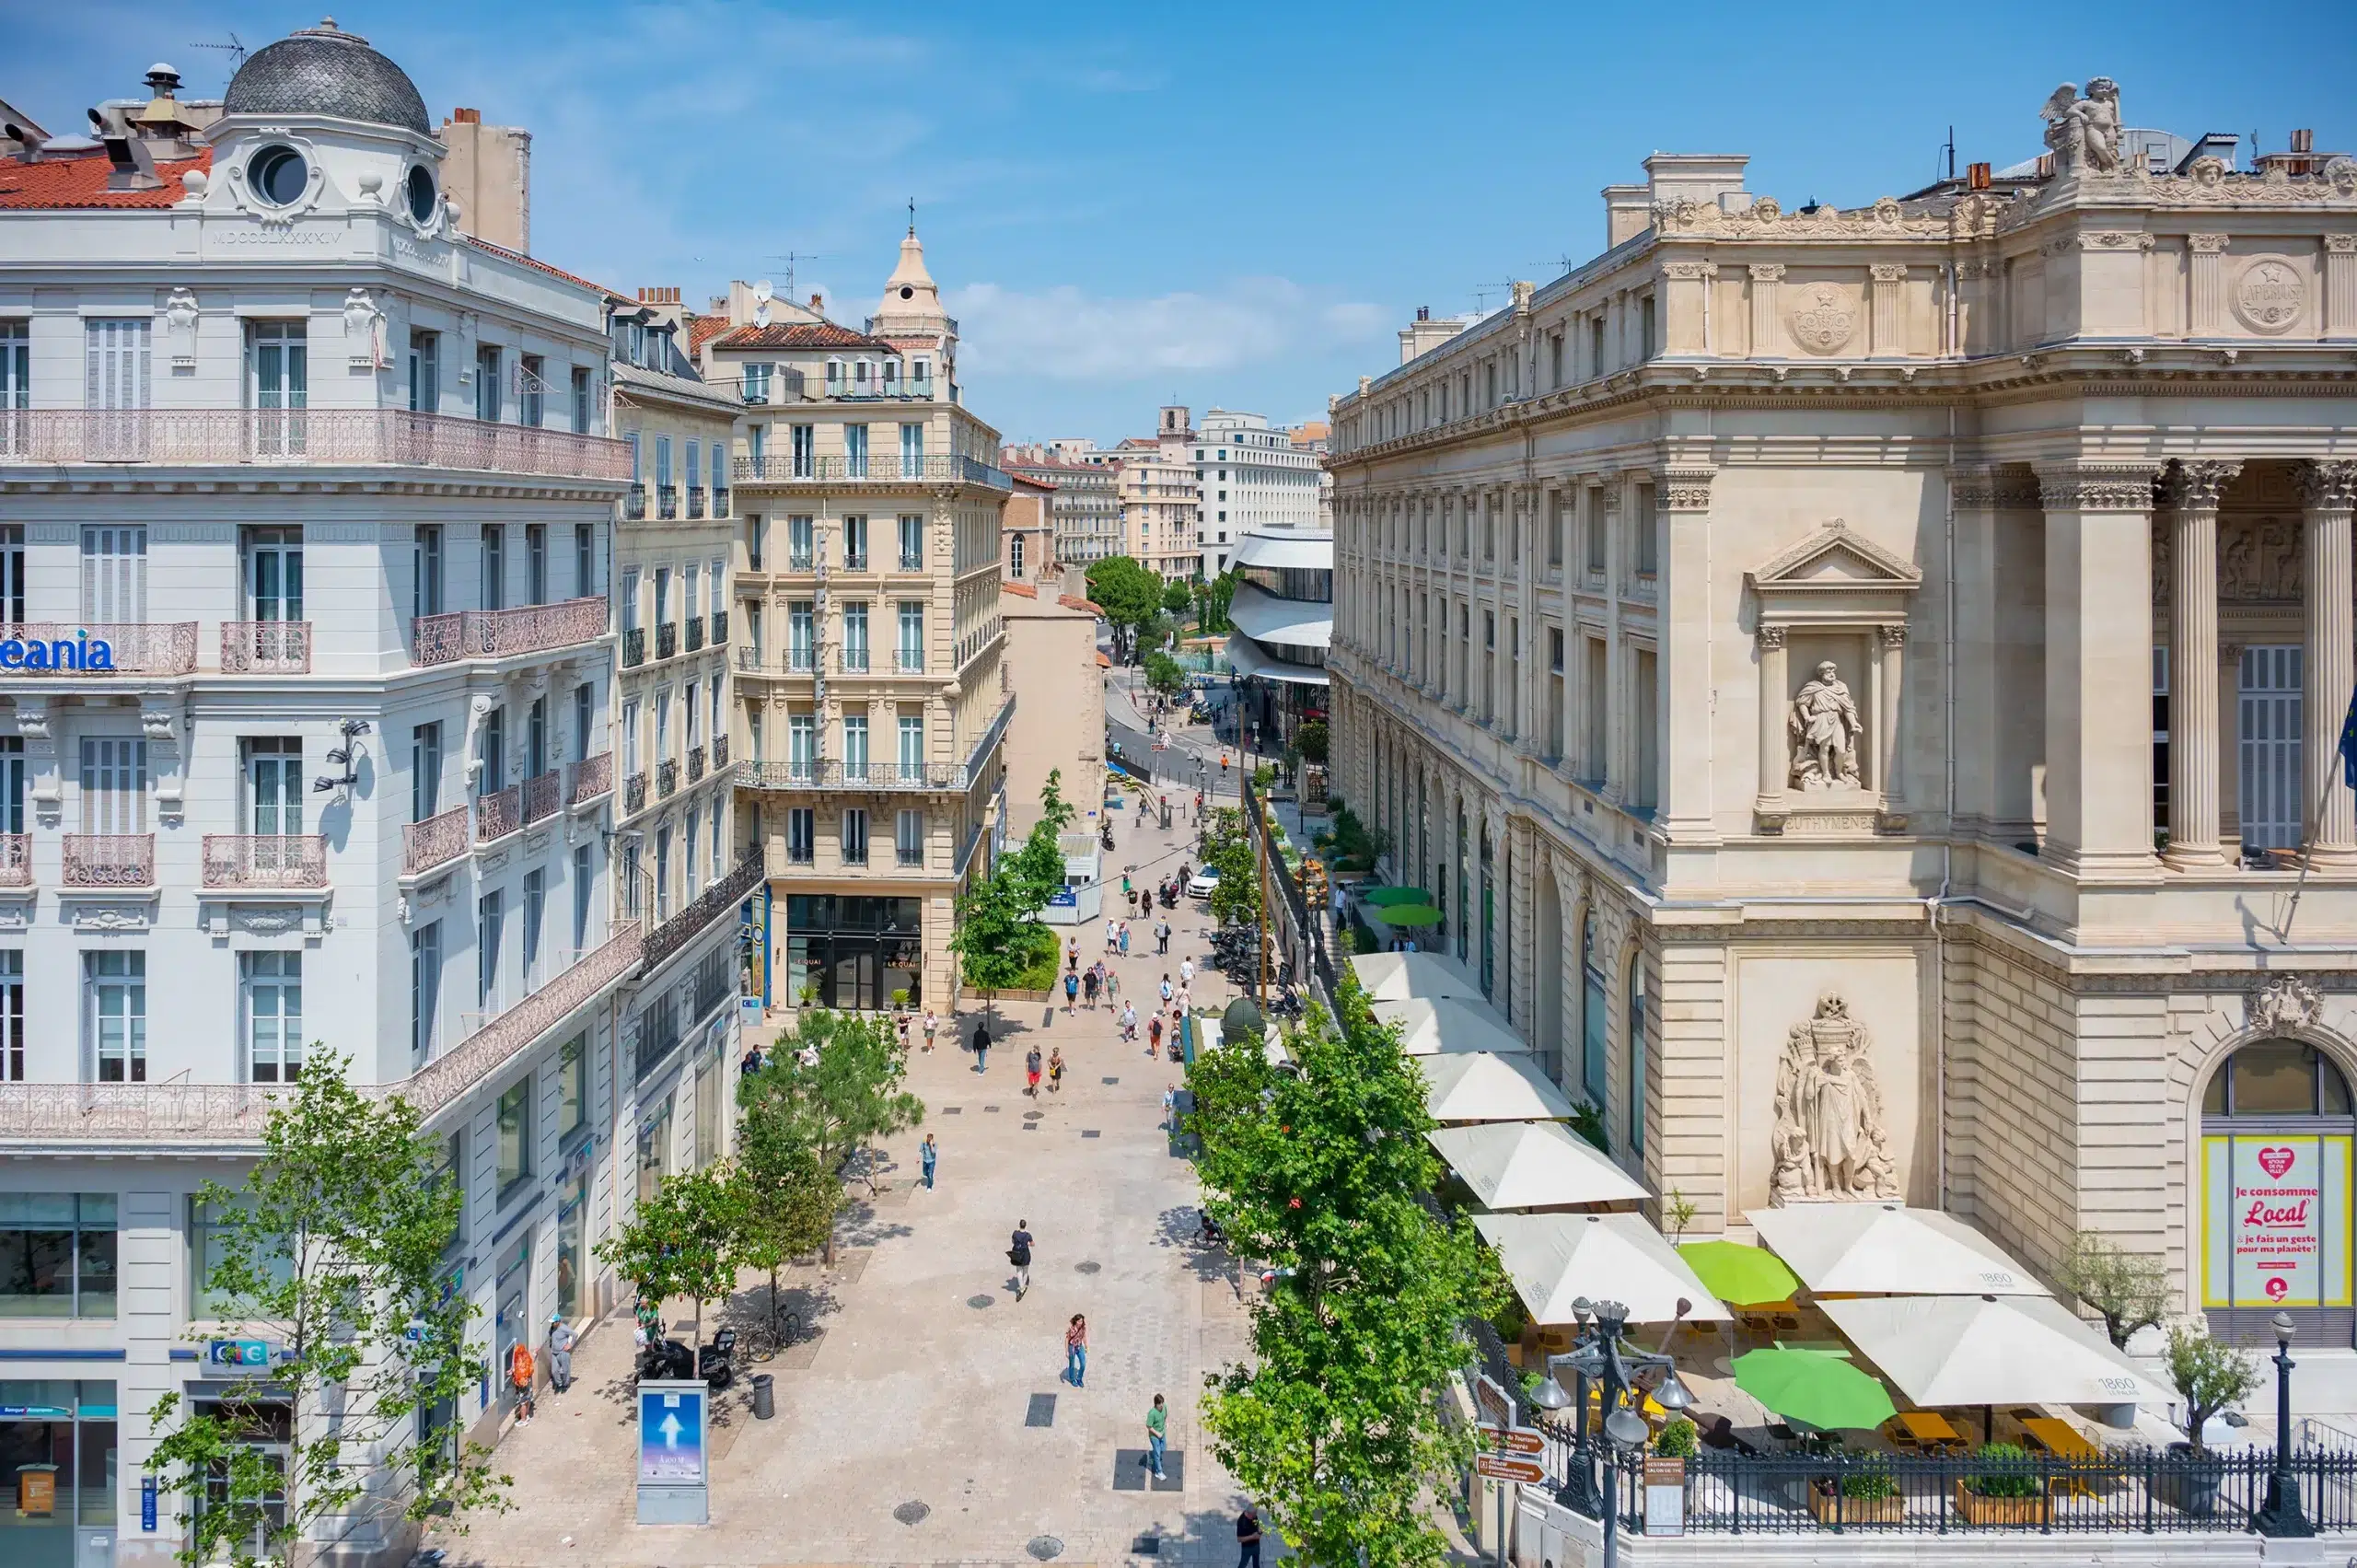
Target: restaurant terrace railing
(154, 647)
(427, 844)
(15, 860)
(265, 860)
(500, 633)
(2125, 1491)
(387, 437)
(592, 778)
(780, 467)
(109, 860)
(265, 648)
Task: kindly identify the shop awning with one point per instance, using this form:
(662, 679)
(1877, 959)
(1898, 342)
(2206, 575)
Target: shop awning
(1447, 1026)
(1483, 1087)
(1286, 550)
(1989, 1350)
(1888, 1249)
(1533, 1165)
(1246, 660)
(1393, 977)
(1304, 624)
(1554, 1259)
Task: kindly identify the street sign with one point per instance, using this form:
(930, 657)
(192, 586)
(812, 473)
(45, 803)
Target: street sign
(148, 1503)
(1508, 1467)
(672, 1473)
(1491, 1396)
(1511, 1439)
(1664, 1497)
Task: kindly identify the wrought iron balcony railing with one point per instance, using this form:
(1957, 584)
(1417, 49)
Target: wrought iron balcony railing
(162, 1113)
(693, 628)
(633, 646)
(204, 438)
(15, 860)
(772, 468)
(634, 795)
(592, 778)
(634, 503)
(719, 628)
(719, 752)
(499, 814)
(439, 838)
(720, 501)
(444, 1079)
(109, 860)
(667, 639)
(695, 501)
(543, 793)
(265, 648)
(710, 905)
(911, 560)
(695, 763)
(265, 860)
(667, 501)
(501, 633)
(908, 661)
(755, 773)
(159, 647)
(667, 777)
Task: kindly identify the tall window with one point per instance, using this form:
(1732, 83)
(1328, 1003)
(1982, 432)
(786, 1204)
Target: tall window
(115, 991)
(536, 738)
(12, 1015)
(491, 752)
(908, 838)
(532, 391)
(115, 364)
(663, 872)
(806, 451)
(487, 398)
(425, 989)
(801, 834)
(277, 384)
(494, 567)
(572, 1088)
(855, 635)
(912, 451)
(115, 785)
(855, 544)
(801, 634)
(1593, 1023)
(536, 563)
(274, 574)
(16, 369)
(273, 1000)
(424, 372)
(275, 785)
(580, 400)
(114, 572)
(801, 744)
(912, 655)
(585, 559)
(491, 929)
(855, 841)
(912, 746)
(695, 844)
(912, 543)
(514, 1138)
(585, 711)
(536, 903)
(12, 550)
(581, 891)
(854, 746)
(854, 451)
(425, 571)
(1637, 1053)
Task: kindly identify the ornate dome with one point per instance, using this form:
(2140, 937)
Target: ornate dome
(324, 70)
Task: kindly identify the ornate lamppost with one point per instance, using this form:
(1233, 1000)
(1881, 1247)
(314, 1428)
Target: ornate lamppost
(2282, 1516)
(1600, 1354)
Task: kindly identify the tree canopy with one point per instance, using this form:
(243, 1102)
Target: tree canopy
(1000, 935)
(1130, 597)
(683, 1241)
(1177, 595)
(1165, 673)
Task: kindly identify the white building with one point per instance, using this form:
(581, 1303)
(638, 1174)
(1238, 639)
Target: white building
(329, 481)
(1248, 477)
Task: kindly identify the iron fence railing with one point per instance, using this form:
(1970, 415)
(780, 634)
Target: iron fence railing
(633, 646)
(695, 763)
(499, 633)
(173, 1112)
(427, 844)
(780, 467)
(394, 437)
(667, 777)
(265, 860)
(109, 860)
(15, 860)
(719, 752)
(499, 813)
(265, 648)
(543, 793)
(634, 795)
(667, 640)
(710, 905)
(694, 627)
(592, 777)
(448, 1076)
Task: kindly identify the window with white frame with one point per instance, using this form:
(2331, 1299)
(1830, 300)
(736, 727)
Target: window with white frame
(854, 839)
(270, 987)
(115, 987)
(12, 1015)
(908, 838)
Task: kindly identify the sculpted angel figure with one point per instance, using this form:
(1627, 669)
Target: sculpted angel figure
(2084, 132)
(1825, 728)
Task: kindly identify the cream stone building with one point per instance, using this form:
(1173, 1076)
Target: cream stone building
(875, 706)
(1052, 658)
(1157, 515)
(1084, 516)
(1858, 683)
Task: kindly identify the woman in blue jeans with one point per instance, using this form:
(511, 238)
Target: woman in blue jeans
(1077, 1351)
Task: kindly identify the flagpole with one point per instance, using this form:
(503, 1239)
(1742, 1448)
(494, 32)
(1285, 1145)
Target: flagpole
(2347, 752)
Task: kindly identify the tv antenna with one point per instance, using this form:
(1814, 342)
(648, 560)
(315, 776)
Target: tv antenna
(236, 50)
(792, 257)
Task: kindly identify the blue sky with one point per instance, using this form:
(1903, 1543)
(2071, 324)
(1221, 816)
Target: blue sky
(1235, 206)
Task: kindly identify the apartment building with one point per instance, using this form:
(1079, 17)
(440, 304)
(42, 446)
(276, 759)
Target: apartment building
(306, 505)
(874, 702)
(1027, 529)
(1905, 644)
(1085, 513)
(1249, 477)
(1157, 492)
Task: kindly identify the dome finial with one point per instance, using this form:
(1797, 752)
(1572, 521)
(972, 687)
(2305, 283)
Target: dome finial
(913, 217)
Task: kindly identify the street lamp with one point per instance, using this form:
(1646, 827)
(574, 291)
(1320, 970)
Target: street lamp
(1598, 1354)
(2282, 1516)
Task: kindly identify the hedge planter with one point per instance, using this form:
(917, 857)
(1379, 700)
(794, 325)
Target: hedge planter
(1890, 1510)
(2000, 1512)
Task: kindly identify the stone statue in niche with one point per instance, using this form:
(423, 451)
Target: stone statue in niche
(1825, 729)
(363, 333)
(2084, 132)
(1828, 1139)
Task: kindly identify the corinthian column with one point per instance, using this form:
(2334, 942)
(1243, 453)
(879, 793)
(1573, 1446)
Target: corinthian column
(2328, 492)
(2189, 497)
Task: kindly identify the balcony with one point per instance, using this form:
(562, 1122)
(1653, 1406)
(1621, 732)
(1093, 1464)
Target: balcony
(854, 661)
(667, 639)
(695, 763)
(15, 860)
(712, 904)
(427, 844)
(443, 1080)
(695, 501)
(800, 560)
(719, 628)
(499, 814)
(504, 634)
(719, 752)
(666, 502)
(109, 860)
(667, 778)
(695, 626)
(908, 661)
(801, 661)
(634, 502)
(265, 860)
(265, 648)
(163, 1113)
(754, 774)
(634, 795)
(855, 560)
(720, 501)
(592, 778)
(543, 793)
(162, 647)
(633, 646)
(393, 437)
(911, 560)
(781, 469)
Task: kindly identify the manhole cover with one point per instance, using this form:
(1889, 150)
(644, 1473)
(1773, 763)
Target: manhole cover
(1090, 1267)
(911, 1512)
(1045, 1548)
(1030, 1127)
(1041, 1412)
(992, 1109)
(953, 1111)
(1090, 1132)
(978, 1302)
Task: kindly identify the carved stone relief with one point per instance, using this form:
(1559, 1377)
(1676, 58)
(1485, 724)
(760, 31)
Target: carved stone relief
(2261, 560)
(1831, 1141)
(1823, 317)
(2269, 294)
(2284, 1004)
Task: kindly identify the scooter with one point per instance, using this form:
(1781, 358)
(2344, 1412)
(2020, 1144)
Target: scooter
(715, 1363)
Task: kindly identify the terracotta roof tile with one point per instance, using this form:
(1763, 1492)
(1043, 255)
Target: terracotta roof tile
(701, 329)
(1025, 589)
(1069, 602)
(1104, 661)
(800, 334)
(539, 266)
(82, 182)
(1043, 486)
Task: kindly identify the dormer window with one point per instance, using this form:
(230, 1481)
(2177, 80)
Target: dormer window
(863, 376)
(891, 377)
(834, 376)
(420, 191)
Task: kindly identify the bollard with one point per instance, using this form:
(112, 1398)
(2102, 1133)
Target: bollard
(764, 1401)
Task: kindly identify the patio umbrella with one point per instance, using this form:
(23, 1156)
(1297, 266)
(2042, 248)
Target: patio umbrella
(1532, 1165)
(1445, 1026)
(1741, 1275)
(1889, 1249)
(1407, 914)
(1395, 895)
(1989, 1350)
(1814, 1389)
(1554, 1259)
(1393, 977)
(1482, 1086)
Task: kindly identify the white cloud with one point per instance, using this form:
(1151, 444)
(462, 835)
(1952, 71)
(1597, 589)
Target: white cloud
(1065, 333)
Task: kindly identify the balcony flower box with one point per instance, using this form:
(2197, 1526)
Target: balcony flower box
(1854, 1509)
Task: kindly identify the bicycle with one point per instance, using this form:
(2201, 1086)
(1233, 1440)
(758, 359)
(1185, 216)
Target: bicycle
(785, 1331)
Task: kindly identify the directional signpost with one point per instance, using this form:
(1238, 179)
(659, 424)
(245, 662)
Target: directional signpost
(1509, 1467)
(1503, 1445)
(673, 1478)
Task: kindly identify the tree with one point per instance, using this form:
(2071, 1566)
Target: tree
(683, 1241)
(1323, 1171)
(2210, 1376)
(1175, 597)
(1000, 935)
(1211, 600)
(1130, 595)
(2131, 1289)
(334, 1250)
(1165, 673)
(788, 1198)
(1310, 739)
(1228, 851)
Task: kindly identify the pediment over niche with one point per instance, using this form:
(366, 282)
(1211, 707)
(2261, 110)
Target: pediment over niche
(1835, 559)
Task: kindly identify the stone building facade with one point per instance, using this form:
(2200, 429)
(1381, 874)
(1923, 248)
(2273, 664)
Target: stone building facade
(1766, 643)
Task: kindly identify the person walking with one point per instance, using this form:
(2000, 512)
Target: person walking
(1112, 987)
(1130, 1021)
(1031, 1072)
(1077, 1351)
(1018, 1252)
(1154, 1036)
(1072, 992)
(1248, 1536)
(520, 1375)
(982, 1045)
(1170, 1108)
(1125, 938)
(1186, 972)
(932, 1023)
(1157, 1436)
(1161, 938)
(1109, 935)
(1088, 984)
(1165, 988)
(1056, 1071)
(927, 1158)
(1071, 954)
(560, 1352)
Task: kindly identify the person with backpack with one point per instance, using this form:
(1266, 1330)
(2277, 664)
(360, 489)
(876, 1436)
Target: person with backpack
(1018, 1252)
(1072, 992)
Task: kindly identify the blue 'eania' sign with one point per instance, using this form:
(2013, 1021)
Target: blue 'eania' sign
(84, 652)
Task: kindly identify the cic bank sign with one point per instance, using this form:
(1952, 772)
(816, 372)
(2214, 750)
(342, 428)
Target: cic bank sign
(83, 652)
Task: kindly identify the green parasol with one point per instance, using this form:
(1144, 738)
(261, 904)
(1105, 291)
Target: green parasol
(1814, 1389)
(1394, 895)
(1740, 1275)
(1408, 914)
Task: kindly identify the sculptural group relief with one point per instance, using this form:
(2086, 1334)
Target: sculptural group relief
(1831, 1140)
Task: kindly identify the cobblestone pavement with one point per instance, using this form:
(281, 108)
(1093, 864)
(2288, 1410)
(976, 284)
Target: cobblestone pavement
(912, 1403)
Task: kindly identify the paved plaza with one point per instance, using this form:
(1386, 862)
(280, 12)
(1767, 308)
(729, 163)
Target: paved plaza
(930, 1421)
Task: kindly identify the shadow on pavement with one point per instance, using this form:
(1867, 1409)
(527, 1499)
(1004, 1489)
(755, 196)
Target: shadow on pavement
(1183, 1229)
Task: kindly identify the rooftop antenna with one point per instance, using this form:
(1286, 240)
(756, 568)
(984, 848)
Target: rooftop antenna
(236, 50)
(1950, 149)
(790, 258)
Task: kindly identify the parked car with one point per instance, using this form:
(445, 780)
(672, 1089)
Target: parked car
(1201, 884)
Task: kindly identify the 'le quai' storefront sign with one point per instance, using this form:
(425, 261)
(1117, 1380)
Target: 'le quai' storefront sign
(83, 652)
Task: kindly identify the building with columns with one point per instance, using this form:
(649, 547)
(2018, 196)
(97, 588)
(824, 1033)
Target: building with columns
(1858, 683)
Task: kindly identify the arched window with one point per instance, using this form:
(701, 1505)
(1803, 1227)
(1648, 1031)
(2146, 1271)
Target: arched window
(1637, 1052)
(2276, 1134)
(1464, 888)
(1592, 1011)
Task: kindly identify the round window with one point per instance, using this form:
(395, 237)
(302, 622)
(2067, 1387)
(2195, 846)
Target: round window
(421, 193)
(279, 176)
(907, 293)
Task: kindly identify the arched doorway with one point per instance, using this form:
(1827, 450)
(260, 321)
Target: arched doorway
(2276, 1133)
(1549, 972)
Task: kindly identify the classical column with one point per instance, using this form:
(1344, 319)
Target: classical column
(1889, 676)
(1684, 791)
(2340, 285)
(2098, 668)
(2189, 497)
(1775, 696)
(2328, 492)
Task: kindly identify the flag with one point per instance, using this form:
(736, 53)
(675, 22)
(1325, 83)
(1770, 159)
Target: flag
(2348, 744)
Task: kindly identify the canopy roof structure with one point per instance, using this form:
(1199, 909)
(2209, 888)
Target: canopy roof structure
(1246, 660)
(1989, 1350)
(1533, 1165)
(1889, 1249)
(1554, 1259)
(1447, 1026)
(1484, 1086)
(1395, 977)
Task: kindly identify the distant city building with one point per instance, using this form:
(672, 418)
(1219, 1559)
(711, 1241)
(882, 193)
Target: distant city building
(1026, 540)
(1084, 516)
(1282, 621)
(1249, 477)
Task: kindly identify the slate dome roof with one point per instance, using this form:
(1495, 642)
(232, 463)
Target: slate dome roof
(324, 70)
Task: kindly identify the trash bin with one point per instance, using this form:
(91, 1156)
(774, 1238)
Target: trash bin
(764, 1401)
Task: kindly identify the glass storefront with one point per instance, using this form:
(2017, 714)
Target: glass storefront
(513, 1319)
(57, 1456)
(654, 1150)
(855, 950)
(572, 1215)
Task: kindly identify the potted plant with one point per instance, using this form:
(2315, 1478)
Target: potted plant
(1867, 1495)
(2210, 1376)
(2009, 1494)
(1677, 1439)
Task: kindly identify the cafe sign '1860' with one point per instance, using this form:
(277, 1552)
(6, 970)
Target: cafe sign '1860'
(83, 652)
(2275, 1220)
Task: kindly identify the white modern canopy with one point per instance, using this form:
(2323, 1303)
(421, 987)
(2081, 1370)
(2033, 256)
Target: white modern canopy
(1887, 1249)
(1554, 1259)
(1395, 977)
(1532, 1165)
(1481, 1086)
(1446, 1027)
(1989, 1350)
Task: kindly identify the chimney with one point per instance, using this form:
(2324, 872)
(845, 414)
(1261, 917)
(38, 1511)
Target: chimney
(817, 305)
(488, 173)
(1976, 176)
(134, 165)
(2304, 140)
(1628, 213)
(1423, 312)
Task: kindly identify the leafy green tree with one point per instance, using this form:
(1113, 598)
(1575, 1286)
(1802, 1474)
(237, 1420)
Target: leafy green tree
(2131, 1289)
(788, 1198)
(333, 1250)
(1218, 594)
(1130, 597)
(683, 1241)
(1175, 597)
(1000, 937)
(1311, 741)
(1228, 850)
(2210, 1376)
(1165, 673)
(1335, 1423)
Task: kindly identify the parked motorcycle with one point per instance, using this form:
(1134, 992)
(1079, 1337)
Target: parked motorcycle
(716, 1363)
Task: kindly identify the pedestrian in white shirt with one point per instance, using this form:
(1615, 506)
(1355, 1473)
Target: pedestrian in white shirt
(1186, 970)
